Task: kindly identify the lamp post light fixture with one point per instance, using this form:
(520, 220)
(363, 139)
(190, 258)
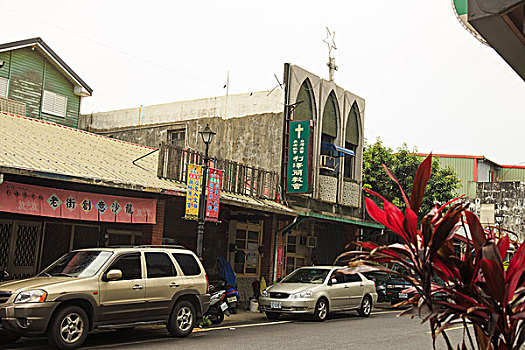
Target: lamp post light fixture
(207, 136)
(499, 220)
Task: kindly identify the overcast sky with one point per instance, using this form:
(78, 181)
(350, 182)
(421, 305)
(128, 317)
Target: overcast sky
(425, 79)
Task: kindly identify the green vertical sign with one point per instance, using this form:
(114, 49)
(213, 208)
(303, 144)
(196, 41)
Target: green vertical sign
(297, 179)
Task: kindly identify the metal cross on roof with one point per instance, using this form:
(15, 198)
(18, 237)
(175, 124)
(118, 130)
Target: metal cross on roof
(331, 46)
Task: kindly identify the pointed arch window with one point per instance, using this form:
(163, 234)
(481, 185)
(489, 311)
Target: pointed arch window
(351, 141)
(329, 160)
(305, 107)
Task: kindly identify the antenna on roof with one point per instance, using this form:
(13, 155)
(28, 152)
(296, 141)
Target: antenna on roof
(331, 46)
(276, 86)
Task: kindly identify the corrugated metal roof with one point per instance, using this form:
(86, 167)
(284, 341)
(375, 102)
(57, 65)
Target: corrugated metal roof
(44, 149)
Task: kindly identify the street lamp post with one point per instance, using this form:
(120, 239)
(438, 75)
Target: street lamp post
(207, 137)
(499, 220)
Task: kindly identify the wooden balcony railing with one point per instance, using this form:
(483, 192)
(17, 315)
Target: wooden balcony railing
(237, 178)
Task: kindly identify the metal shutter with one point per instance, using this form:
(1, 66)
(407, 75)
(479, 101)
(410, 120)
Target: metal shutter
(54, 103)
(3, 87)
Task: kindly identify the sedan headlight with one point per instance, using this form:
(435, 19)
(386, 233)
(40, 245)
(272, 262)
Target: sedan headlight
(303, 294)
(31, 296)
(265, 293)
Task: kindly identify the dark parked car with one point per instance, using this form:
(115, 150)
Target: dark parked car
(380, 278)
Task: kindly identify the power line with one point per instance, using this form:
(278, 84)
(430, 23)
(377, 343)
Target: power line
(122, 52)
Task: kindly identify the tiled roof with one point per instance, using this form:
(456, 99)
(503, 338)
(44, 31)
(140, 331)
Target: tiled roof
(44, 149)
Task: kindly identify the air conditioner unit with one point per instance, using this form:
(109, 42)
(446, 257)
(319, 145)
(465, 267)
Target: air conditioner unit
(311, 242)
(327, 162)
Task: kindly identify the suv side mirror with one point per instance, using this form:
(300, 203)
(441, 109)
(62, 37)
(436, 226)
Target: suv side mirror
(332, 281)
(114, 275)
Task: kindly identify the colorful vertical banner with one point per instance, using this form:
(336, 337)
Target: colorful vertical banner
(214, 195)
(298, 157)
(193, 191)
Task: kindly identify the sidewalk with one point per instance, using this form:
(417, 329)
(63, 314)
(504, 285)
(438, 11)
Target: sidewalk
(242, 317)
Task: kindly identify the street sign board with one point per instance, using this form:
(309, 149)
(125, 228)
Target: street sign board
(193, 192)
(214, 195)
(298, 157)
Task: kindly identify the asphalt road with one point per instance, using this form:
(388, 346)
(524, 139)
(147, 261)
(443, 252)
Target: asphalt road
(382, 330)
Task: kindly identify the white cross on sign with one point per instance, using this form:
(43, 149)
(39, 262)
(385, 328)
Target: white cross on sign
(298, 129)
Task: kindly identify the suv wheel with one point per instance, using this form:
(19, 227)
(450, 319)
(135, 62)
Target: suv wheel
(366, 307)
(8, 338)
(68, 328)
(182, 319)
(321, 310)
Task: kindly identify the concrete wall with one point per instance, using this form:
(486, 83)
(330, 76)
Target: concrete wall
(232, 106)
(508, 199)
(254, 140)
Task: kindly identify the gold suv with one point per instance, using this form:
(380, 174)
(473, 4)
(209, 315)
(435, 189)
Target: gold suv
(106, 288)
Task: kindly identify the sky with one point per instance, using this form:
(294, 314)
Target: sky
(427, 82)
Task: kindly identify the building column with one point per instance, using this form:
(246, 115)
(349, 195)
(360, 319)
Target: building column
(154, 233)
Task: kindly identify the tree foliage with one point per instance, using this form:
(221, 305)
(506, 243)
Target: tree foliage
(403, 163)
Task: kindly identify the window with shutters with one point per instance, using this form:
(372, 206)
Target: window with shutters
(53, 103)
(4, 83)
(177, 137)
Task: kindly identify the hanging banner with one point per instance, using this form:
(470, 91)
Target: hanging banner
(193, 192)
(298, 157)
(65, 204)
(214, 195)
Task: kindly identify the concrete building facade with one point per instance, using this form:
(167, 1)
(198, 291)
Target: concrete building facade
(252, 129)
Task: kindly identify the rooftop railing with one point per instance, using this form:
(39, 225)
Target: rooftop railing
(237, 178)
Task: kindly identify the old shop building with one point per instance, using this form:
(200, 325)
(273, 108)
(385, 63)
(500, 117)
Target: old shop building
(65, 189)
(253, 129)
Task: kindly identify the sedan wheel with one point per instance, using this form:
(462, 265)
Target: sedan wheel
(321, 310)
(366, 307)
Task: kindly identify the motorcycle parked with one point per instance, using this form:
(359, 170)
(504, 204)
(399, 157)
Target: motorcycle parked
(223, 301)
(218, 307)
(4, 275)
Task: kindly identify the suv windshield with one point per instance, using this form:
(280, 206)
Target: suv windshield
(78, 264)
(315, 276)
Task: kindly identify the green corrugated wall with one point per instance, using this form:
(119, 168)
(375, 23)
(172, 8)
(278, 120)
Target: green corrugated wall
(464, 168)
(56, 82)
(511, 174)
(27, 77)
(25, 85)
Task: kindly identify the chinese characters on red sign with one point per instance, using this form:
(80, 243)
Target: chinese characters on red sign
(214, 195)
(44, 201)
(193, 192)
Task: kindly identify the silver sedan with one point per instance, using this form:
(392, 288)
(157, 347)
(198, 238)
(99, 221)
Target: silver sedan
(319, 291)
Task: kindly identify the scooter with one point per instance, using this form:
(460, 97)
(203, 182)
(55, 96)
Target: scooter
(218, 307)
(4, 275)
(223, 301)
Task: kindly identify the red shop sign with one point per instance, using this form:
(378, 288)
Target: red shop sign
(213, 195)
(45, 201)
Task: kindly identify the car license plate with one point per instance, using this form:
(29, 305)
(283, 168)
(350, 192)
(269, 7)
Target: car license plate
(232, 299)
(403, 295)
(224, 306)
(275, 304)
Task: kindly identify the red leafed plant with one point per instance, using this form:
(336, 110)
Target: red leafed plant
(478, 292)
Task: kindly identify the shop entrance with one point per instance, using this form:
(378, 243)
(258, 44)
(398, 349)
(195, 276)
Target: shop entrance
(19, 247)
